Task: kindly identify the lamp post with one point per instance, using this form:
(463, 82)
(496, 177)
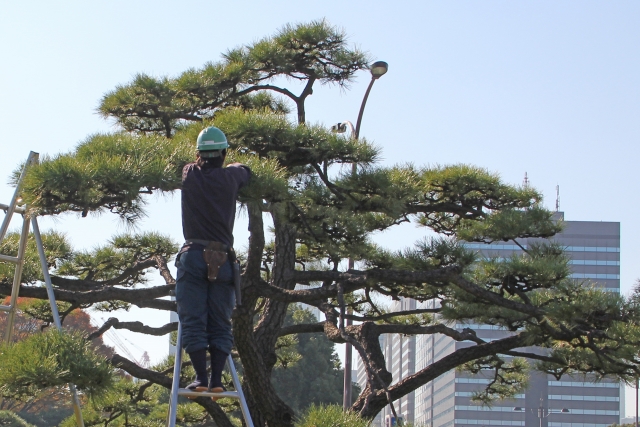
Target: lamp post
(378, 69)
(637, 401)
(542, 412)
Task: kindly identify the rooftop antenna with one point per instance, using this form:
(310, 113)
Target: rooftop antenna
(557, 198)
(525, 182)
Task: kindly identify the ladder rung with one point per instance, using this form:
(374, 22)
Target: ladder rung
(5, 308)
(5, 208)
(191, 393)
(13, 259)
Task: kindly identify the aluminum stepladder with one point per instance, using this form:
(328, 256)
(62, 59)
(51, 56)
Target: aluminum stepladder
(19, 264)
(176, 391)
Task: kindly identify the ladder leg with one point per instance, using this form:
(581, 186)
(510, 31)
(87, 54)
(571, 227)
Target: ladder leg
(175, 386)
(45, 272)
(17, 278)
(33, 158)
(238, 386)
(54, 310)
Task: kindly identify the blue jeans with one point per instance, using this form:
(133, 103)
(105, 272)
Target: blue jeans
(204, 307)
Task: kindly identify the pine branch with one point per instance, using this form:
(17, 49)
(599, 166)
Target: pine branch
(139, 327)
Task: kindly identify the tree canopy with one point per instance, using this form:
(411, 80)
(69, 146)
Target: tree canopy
(307, 215)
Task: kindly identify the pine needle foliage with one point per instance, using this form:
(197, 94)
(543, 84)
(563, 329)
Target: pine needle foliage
(57, 250)
(306, 52)
(106, 172)
(52, 359)
(115, 262)
(331, 416)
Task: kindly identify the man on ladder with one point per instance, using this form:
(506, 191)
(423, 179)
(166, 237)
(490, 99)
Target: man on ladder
(207, 266)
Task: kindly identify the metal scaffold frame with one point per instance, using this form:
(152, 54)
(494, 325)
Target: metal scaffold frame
(27, 219)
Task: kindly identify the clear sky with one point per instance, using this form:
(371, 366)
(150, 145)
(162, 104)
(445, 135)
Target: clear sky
(548, 88)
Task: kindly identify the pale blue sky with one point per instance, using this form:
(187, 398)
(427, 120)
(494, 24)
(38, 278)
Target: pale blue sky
(549, 88)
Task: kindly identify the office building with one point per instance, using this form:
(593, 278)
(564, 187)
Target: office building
(594, 252)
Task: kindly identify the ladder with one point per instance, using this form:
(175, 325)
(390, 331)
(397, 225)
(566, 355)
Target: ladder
(18, 260)
(176, 391)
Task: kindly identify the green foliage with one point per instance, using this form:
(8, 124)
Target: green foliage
(41, 309)
(140, 403)
(106, 172)
(427, 254)
(313, 51)
(305, 50)
(466, 193)
(543, 266)
(126, 403)
(506, 378)
(607, 319)
(274, 136)
(115, 261)
(508, 224)
(330, 416)
(52, 359)
(9, 419)
(56, 247)
(286, 351)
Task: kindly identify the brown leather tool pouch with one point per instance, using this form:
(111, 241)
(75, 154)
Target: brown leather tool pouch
(215, 255)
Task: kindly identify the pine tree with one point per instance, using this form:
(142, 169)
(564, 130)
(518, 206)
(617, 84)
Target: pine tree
(322, 214)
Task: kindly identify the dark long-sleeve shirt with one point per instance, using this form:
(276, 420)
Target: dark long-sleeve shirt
(209, 201)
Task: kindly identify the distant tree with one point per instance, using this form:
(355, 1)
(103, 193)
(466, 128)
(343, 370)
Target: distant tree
(316, 378)
(321, 214)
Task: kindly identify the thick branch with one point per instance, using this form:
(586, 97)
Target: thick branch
(433, 371)
(378, 275)
(139, 327)
(466, 335)
(307, 328)
(161, 263)
(256, 240)
(391, 315)
(128, 272)
(493, 298)
(143, 297)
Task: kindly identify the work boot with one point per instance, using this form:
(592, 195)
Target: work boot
(218, 359)
(199, 361)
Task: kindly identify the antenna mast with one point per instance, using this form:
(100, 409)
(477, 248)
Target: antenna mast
(525, 182)
(557, 198)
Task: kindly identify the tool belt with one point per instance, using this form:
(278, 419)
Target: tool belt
(215, 254)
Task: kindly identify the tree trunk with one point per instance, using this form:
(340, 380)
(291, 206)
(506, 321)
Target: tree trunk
(266, 406)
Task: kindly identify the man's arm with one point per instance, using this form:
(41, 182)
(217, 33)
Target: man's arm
(241, 172)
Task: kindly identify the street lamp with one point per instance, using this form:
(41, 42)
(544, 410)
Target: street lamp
(377, 69)
(542, 412)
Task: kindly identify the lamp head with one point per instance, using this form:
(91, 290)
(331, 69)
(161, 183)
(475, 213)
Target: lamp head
(378, 69)
(339, 128)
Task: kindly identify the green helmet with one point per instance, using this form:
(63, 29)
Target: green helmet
(211, 139)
